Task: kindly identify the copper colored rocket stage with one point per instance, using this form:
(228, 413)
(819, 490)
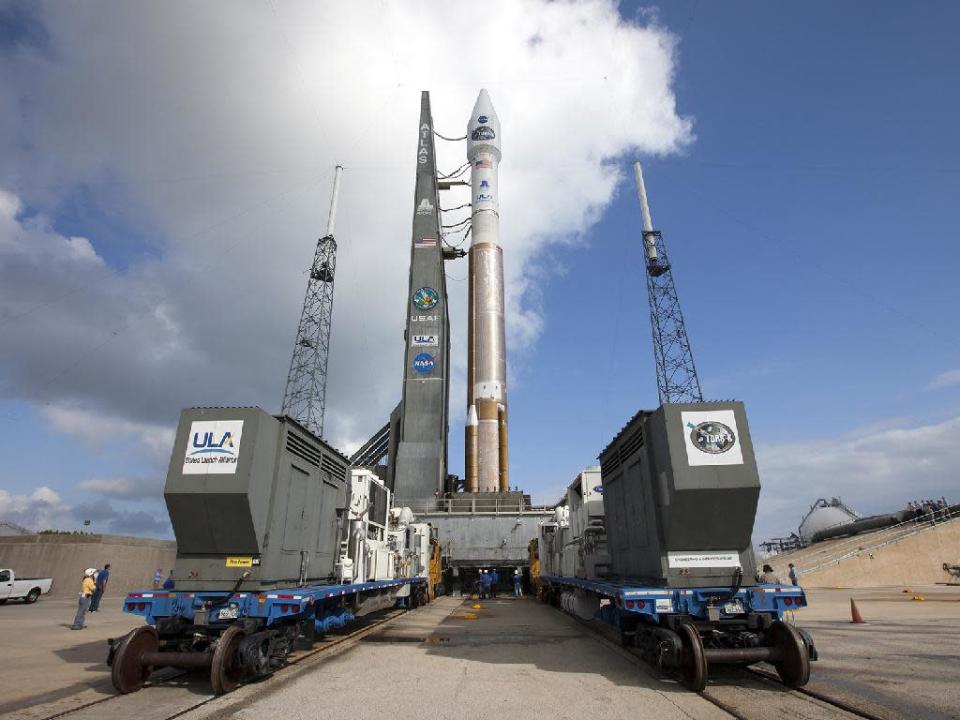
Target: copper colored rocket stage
(486, 457)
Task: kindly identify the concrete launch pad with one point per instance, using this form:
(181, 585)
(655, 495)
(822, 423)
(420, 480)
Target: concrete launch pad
(510, 657)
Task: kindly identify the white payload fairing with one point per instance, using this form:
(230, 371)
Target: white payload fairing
(486, 431)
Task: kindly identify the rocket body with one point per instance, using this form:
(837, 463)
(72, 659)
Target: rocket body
(486, 456)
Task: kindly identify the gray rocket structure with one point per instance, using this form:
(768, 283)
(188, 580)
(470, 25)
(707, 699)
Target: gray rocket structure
(487, 467)
(420, 464)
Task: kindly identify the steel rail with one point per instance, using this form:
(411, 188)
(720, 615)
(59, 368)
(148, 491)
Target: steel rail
(835, 702)
(597, 630)
(335, 642)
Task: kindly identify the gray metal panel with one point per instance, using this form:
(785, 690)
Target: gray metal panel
(421, 454)
(223, 513)
(280, 506)
(657, 502)
(485, 540)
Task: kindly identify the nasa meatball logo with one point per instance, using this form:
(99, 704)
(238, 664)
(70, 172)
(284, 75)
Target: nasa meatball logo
(423, 363)
(483, 133)
(425, 298)
(712, 437)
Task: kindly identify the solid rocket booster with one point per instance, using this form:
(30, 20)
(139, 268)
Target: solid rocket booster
(486, 445)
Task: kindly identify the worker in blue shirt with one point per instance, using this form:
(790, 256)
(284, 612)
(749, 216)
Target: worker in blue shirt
(485, 580)
(168, 584)
(102, 577)
(494, 582)
(793, 574)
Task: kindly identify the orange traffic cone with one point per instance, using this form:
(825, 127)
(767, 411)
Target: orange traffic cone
(855, 616)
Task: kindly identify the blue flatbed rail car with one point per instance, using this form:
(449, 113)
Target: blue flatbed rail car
(686, 629)
(237, 635)
(322, 602)
(634, 598)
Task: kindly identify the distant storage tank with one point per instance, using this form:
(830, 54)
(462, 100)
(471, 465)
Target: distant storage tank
(680, 490)
(825, 515)
(249, 493)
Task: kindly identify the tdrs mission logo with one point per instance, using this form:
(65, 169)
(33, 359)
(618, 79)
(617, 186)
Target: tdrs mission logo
(712, 437)
(213, 446)
(425, 298)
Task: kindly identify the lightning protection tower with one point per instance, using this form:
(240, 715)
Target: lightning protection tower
(305, 395)
(677, 380)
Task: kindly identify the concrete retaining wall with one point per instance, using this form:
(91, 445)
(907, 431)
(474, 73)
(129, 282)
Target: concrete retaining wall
(64, 558)
(914, 560)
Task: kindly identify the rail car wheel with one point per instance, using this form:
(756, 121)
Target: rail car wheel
(127, 672)
(693, 663)
(794, 665)
(226, 672)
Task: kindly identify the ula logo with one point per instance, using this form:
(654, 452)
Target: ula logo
(712, 437)
(207, 444)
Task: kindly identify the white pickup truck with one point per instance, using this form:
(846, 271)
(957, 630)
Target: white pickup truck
(26, 589)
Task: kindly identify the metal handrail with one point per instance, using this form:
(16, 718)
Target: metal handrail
(891, 535)
(465, 505)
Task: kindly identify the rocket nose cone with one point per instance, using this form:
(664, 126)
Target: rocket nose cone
(483, 130)
(484, 106)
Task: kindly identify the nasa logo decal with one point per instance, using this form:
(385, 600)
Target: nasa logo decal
(483, 133)
(598, 489)
(712, 437)
(423, 363)
(482, 119)
(425, 298)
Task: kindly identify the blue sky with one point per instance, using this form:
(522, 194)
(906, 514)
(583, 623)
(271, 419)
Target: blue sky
(805, 181)
(810, 226)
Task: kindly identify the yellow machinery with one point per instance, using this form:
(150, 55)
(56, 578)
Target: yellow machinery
(533, 552)
(436, 567)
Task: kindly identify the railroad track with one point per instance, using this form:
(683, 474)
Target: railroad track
(154, 701)
(749, 693)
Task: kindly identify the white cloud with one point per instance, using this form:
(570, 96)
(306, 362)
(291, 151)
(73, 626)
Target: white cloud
(124, 488)
(38, 510)
(945, 379)
(204, 136)
(873, 471)
(44, 509)
(105, 518)
(99, 430)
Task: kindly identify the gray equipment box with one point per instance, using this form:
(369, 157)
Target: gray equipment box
(680, 488)
(249, 492)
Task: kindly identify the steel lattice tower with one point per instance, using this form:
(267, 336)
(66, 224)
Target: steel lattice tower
(305, 394)
(677, 380)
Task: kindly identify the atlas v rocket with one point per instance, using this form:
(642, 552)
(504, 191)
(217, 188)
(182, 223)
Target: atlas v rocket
(487, 467)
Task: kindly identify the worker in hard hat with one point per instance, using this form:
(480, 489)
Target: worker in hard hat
(87, 588)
